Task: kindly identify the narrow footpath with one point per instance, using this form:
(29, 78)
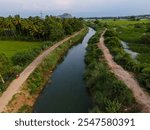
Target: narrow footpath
(141, 96)
(16, 84)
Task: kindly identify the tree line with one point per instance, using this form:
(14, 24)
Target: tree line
(36, 28)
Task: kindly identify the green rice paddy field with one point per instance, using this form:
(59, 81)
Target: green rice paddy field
(9, 48)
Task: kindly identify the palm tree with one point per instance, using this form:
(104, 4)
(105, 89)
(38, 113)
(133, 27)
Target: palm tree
(17, 23)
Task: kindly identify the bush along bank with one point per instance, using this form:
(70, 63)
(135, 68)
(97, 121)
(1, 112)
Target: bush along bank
(40, 76)
(107, 92)
(142, 71)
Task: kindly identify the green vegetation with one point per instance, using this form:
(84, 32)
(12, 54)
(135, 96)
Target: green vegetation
(120, 56)
(142, 71)
(24, 109)
(39, 77)
(6, 71)
(107, 92)
(117, 22)
(24, 57)
(17, 54)
(144, 52)
(35, 28)
(137, 34)
(128, 30)
(10, 67)
(9, 48)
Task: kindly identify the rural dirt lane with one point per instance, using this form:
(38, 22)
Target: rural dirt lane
(16, 84)
(141, 96)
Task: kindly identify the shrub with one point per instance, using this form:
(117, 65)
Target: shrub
(25, 109)
(113, 42)
(112, 106)
(23, 58)
(121, 57)
(145, 39)
(110, 33)
(108, 94)
(145, 77)
(5, 66)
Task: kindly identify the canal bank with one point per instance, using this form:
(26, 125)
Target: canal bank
(66, 89)
(24, 100)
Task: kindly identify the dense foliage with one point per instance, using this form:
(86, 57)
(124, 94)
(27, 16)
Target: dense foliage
(35, 28)
(142, 71)
(48, 30)
(107, 92)
(40, 76)
(145, 39)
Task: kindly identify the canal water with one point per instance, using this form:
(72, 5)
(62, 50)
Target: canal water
(127, 49)
(66, 92)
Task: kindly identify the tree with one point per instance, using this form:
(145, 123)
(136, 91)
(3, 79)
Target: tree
(67, 27)
(17, 23)
(35, 28)
(5, 67)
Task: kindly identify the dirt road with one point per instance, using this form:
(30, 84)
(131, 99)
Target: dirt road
(16, 84)
(141, 96)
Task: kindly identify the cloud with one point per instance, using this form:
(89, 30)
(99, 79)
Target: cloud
(77, 7)
(63, 4)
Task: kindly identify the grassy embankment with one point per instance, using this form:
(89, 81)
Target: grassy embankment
(108, 93)
(137, 34)
(133, 32)
(141, 71)
(23, 101)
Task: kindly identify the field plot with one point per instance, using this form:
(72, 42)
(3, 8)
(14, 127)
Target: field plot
(9, 48)
(136, 35)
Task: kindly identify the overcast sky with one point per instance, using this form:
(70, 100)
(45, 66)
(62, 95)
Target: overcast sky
(79, 8)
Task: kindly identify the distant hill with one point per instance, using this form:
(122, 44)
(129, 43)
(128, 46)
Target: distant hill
(65, 15)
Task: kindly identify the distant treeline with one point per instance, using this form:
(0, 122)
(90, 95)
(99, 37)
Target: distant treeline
(133, 17)
(36, 28)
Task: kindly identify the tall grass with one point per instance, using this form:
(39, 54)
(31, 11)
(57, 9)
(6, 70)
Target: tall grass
(108, 93)
(141, 70)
